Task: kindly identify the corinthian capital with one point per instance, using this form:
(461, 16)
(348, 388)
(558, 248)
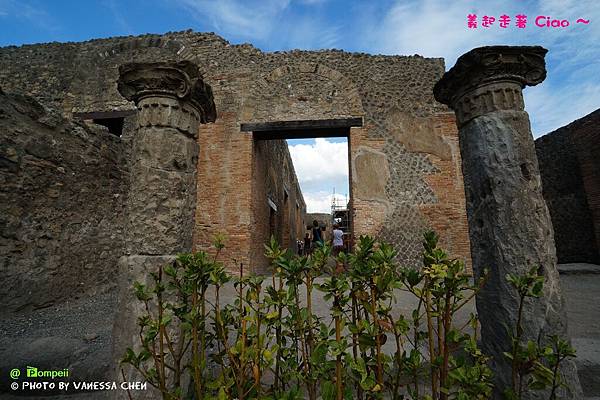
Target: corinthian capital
(175, 80)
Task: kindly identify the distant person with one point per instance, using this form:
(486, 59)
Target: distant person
(317, 237)
(338, 240)
(307, 244)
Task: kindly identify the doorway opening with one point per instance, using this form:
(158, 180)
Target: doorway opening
(314, 186)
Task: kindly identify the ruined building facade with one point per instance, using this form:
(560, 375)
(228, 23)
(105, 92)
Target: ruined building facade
(68, 179)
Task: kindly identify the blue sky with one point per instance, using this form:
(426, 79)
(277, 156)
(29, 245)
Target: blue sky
(322, 167)
(433, 28)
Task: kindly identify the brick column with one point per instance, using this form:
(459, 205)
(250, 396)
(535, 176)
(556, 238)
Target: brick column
(509, 223)
(172, 100)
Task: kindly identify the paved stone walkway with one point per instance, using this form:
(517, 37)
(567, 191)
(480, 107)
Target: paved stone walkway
(581, 286)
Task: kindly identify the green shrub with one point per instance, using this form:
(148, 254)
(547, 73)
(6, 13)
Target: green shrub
(269, 344)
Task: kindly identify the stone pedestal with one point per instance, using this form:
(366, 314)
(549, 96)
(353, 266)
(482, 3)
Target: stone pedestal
(172, 100)
(509, 223)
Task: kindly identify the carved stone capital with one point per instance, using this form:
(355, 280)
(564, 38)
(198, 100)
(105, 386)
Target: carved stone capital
(165, 112)
(168, 80)
(488, 98)
(488, 79)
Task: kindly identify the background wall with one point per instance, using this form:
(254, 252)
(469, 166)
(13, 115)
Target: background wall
(586, 135)
(274, 179)
(569, 160)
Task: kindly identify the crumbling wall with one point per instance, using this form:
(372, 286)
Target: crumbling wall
(405, 168)
(79, 77)
(61, 206)
(569, 164)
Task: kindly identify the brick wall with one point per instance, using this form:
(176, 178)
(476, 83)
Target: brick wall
(448, 217)
(225, 200)
(401, 163)
(278, 204)
(568, 160)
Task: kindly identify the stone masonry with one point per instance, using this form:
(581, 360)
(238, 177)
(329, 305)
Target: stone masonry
(410, 137)
(509, 223)
(569, 161)
(61, 206)
(172, 100)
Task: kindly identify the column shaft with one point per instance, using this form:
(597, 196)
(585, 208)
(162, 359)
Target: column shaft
(171, 100)
(509, 222)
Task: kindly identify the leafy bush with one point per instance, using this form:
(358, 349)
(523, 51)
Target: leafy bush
(533, 366)
(269, 344)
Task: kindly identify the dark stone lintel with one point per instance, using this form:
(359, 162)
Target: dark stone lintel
(104, 114)
(302, 125)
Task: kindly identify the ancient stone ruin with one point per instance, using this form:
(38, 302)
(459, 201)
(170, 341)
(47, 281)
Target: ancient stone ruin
(383, 104)
(509, 222)
(569, 165)
(172, 101)
(117, 154)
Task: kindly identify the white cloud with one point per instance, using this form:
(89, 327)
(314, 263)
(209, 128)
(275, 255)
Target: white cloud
(436, 28)
(432, 28)
(551, 108)
(320, 201)
(323, 160)
(271, 24)
(308, 33)
(312, 2)
(253, 19)
(34, 15)
(321, 167)
(118, 16)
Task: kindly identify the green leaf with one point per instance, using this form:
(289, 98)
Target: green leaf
(272, 315)
(328, 390)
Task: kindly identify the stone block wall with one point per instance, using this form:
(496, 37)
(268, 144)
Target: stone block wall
(569, 164)
(404, 168)
(61, 206)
